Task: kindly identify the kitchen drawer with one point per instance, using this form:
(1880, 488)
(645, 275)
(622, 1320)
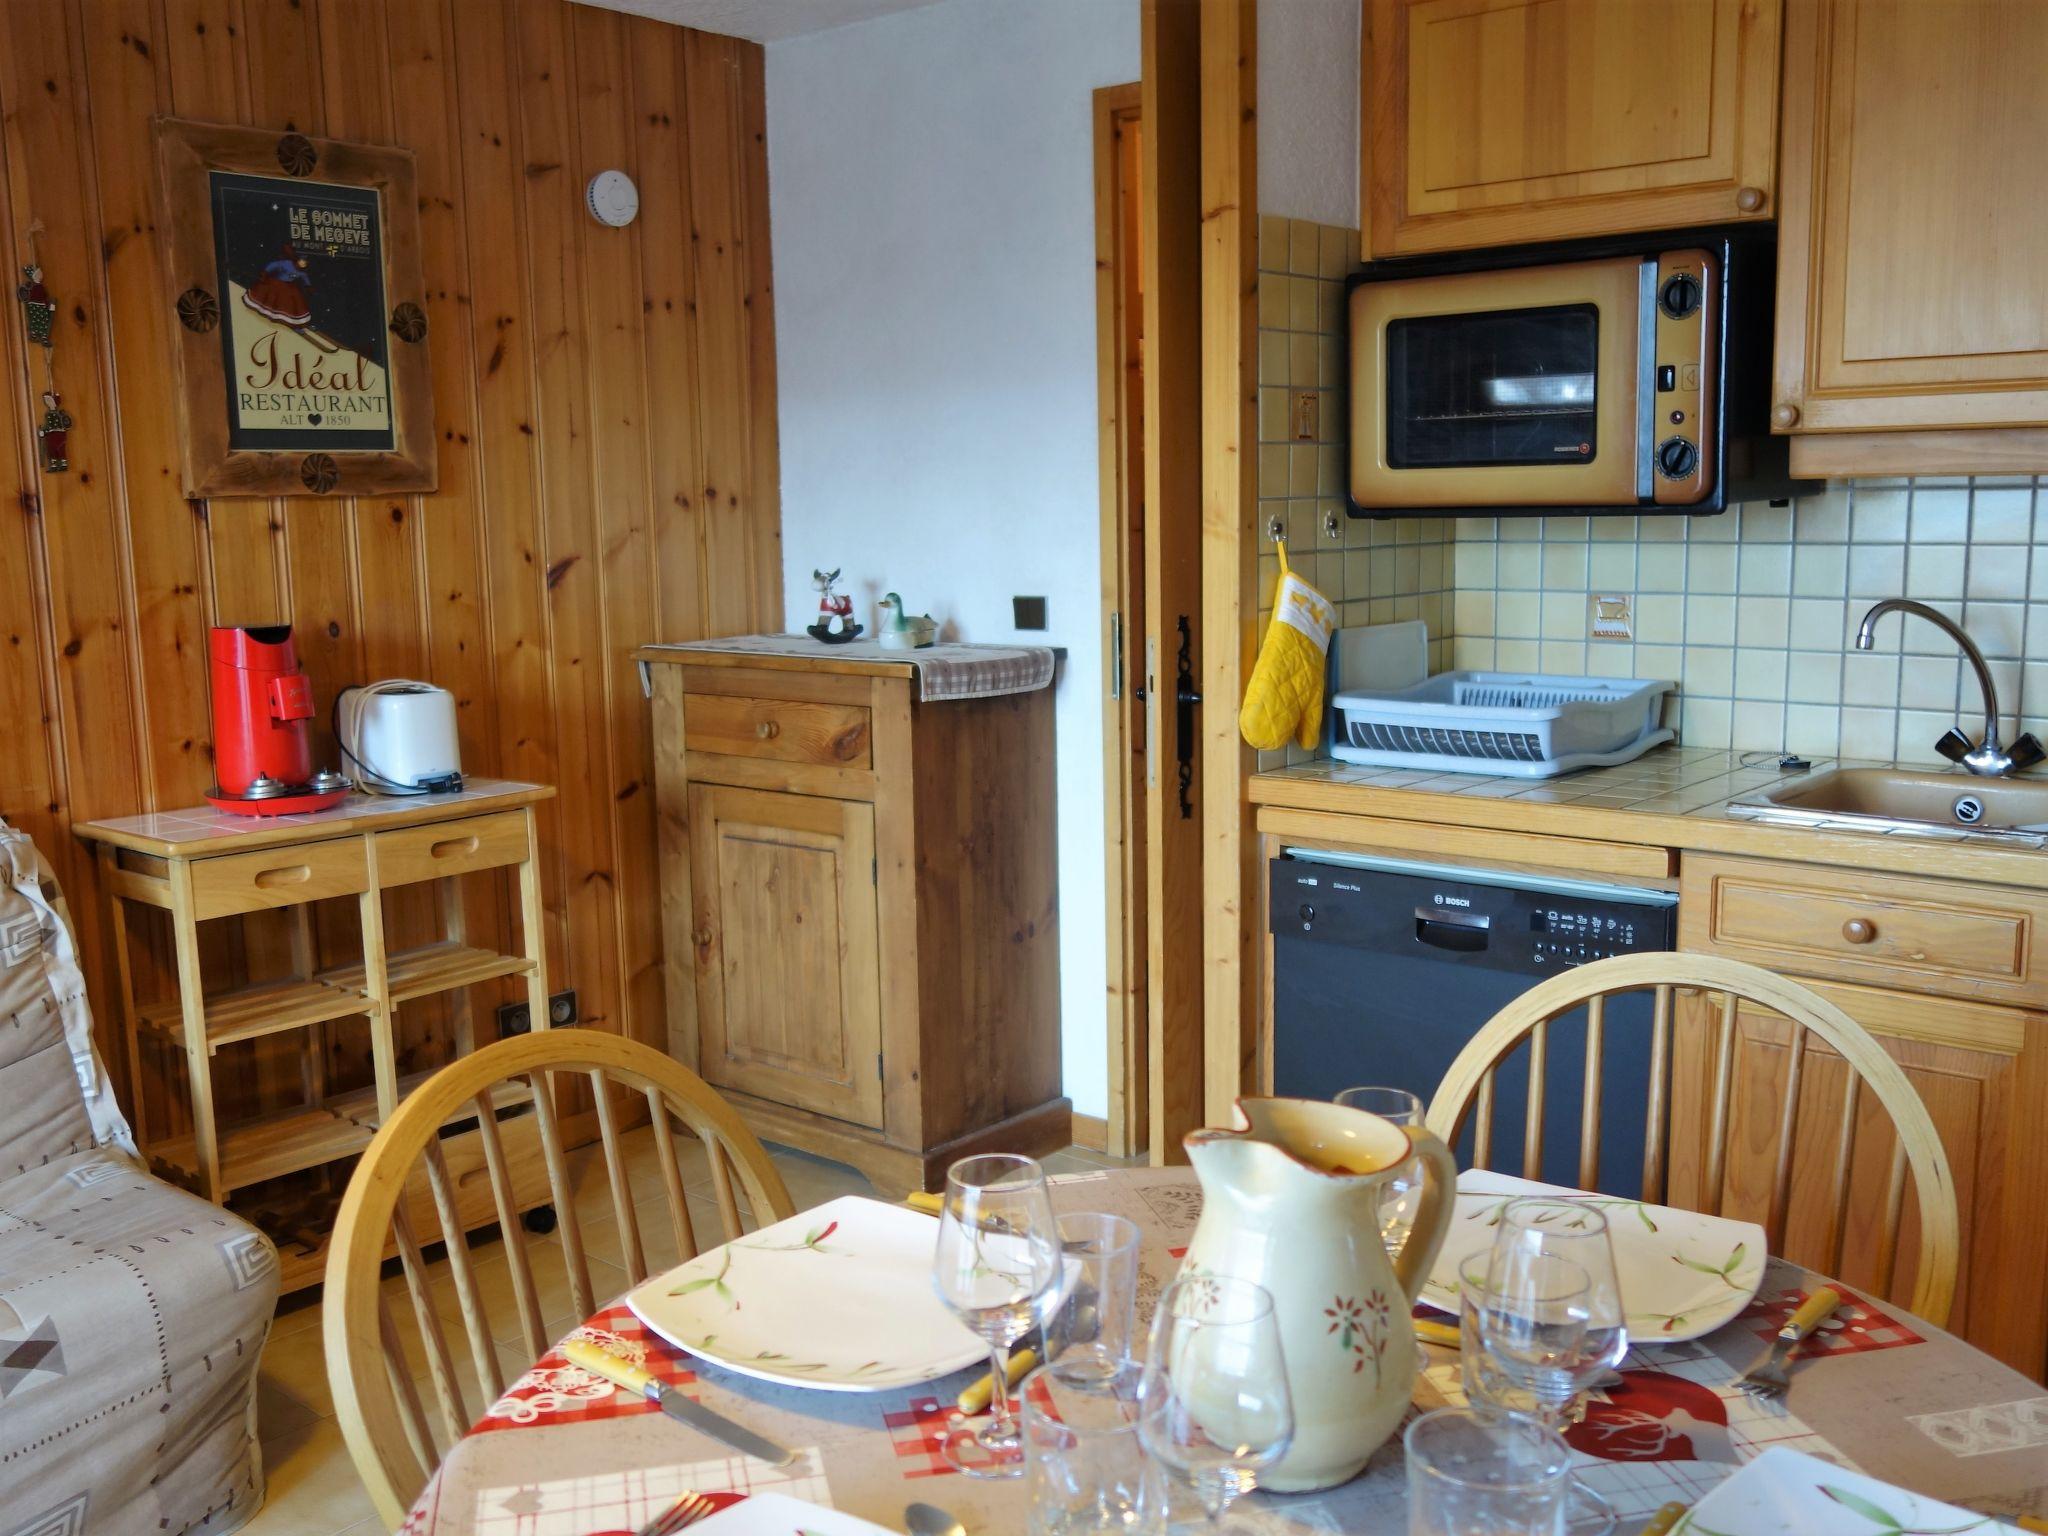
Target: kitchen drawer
(787, 730)
(411, 854)
(282, 877)
(1938, 936)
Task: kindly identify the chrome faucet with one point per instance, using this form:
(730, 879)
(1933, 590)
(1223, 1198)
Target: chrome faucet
(1987, 758)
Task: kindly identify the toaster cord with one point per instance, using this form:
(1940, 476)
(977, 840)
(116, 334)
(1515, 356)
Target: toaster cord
(349, 737)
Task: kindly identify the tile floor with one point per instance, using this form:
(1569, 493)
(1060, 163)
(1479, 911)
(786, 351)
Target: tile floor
(313, 1489)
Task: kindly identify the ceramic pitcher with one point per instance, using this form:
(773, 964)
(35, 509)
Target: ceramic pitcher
(1290, 1200)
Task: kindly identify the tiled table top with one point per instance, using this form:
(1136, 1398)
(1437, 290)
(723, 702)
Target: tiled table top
(200, 831)
(1669, 781)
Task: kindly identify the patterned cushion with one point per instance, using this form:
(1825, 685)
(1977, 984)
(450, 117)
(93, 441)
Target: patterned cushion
(132, 1316)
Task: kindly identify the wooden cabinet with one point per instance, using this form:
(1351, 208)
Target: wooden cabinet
(1492, 122)
(858, 903)
(789, 1004)
(1980, 1067)
(1911, 297)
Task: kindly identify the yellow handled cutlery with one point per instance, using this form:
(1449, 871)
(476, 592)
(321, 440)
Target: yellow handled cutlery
(624, 1373)
(1769, 1379)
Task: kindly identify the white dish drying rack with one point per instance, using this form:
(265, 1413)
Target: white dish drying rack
(1514, 724)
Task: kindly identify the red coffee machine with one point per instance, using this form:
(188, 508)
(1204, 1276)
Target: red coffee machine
(262, 726)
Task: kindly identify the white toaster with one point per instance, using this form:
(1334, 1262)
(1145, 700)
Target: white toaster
(399, 736)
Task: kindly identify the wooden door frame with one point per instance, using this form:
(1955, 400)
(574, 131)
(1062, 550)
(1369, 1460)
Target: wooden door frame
(1231, 870)
(1171, 106)
(1117, 113)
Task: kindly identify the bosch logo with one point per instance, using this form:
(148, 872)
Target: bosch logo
(1451, 901)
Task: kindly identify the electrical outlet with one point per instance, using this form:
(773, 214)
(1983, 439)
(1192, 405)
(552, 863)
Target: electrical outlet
(517, 1018)
(1028, 612)
(1611, 617)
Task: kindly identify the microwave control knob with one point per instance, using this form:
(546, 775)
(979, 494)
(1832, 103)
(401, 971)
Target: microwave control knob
(1680, 295)
(1677, 458)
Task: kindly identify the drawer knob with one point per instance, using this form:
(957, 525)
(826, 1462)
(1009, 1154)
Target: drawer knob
(768, 730)
(1784, 416)
(1859, 930)
(1749, 199)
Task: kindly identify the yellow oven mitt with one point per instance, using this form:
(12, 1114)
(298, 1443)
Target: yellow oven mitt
(1284, 699)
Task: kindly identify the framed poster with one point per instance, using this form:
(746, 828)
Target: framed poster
(298, 320)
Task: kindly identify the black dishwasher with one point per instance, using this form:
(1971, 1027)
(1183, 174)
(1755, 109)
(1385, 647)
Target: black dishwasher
(1383, 968)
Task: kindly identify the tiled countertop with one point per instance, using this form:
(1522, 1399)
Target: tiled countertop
(1673, 796)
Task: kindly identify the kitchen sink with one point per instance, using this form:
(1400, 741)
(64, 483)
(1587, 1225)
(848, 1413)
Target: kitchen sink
(1901, 803)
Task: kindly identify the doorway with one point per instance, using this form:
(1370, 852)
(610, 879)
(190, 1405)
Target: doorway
(1120, 392)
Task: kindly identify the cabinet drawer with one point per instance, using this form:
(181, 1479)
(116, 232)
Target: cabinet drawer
(788, 730)
(278, 877)
(411, 854)
(1935, 936)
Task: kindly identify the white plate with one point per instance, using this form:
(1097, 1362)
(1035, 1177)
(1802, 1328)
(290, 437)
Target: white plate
(1719, 1263)
(838, 1298)
(777, 1514)
(1788, 1493)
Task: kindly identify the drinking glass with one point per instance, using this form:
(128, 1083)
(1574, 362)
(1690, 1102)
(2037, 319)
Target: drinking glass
(1534, 1238)
(1485, 1473)
(1485, 1386)
(1533, 1321)
(1400, 1194)
(1085, 1466)
(1215, 1406)
(997, 1266)
(1100, 1292)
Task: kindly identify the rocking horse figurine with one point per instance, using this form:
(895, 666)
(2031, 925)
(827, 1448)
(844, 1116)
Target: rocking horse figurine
(835, 624)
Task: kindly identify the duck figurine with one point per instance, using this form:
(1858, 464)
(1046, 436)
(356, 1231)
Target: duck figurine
(905, 631)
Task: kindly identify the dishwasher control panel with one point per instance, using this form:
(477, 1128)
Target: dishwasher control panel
(1529, 926)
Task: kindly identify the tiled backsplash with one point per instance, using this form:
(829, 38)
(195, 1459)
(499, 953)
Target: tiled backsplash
(1375, 572)
(1753, 613)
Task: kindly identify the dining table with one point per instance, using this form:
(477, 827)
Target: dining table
(565, 1453)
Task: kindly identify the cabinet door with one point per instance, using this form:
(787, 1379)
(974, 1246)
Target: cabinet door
(788, 997)
(1911, 292)
(1979, 1071)
(1488, 122)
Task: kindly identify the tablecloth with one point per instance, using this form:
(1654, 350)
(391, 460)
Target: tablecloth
(562, 1455)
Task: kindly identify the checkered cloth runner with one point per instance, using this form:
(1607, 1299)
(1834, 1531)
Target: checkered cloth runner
(951, 671)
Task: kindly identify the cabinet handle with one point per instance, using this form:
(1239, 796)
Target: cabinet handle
(1785, 415)
(454, 847)
(290, 874)
(1859, 930)
(1749, 199)
(768, 730)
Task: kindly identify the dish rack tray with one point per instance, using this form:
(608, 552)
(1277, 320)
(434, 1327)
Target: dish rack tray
(1515, 724)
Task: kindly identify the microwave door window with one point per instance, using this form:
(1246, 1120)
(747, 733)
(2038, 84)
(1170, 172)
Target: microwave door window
(1506, 387)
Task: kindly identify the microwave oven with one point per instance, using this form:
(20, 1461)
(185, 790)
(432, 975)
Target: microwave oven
(1623, 375)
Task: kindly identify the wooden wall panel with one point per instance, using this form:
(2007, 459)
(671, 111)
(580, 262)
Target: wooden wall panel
(604, 402)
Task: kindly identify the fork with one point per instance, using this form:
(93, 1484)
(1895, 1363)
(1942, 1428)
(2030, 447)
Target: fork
(1768, 1380)
(688, 1509)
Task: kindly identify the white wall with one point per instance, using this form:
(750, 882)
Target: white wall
(932, 207)
(1308, 110)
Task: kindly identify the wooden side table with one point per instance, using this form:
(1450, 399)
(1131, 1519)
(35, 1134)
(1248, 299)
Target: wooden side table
(202, 864)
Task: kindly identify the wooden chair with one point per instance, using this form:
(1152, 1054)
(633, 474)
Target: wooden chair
(403, 1197)
(1468, 1087)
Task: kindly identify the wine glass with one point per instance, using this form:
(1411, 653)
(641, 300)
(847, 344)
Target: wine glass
(1399, 1194)
(1534, 1319)
(997, 1266)
(1214, 1407)
(1536, 1237)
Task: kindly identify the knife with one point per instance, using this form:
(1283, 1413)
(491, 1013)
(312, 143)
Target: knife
(624, 1373)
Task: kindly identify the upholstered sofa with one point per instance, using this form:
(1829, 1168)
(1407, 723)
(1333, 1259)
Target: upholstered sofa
(132, 1314)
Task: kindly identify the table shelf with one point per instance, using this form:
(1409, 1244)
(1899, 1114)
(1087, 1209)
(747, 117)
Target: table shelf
(264, 1009)
(441, 967)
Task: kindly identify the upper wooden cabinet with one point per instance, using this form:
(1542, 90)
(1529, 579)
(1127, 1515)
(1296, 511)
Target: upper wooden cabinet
(1911, 291)
(1491, 122)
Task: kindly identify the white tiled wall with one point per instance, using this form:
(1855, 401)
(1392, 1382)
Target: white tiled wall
(1754, 613)
(1375, 572)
